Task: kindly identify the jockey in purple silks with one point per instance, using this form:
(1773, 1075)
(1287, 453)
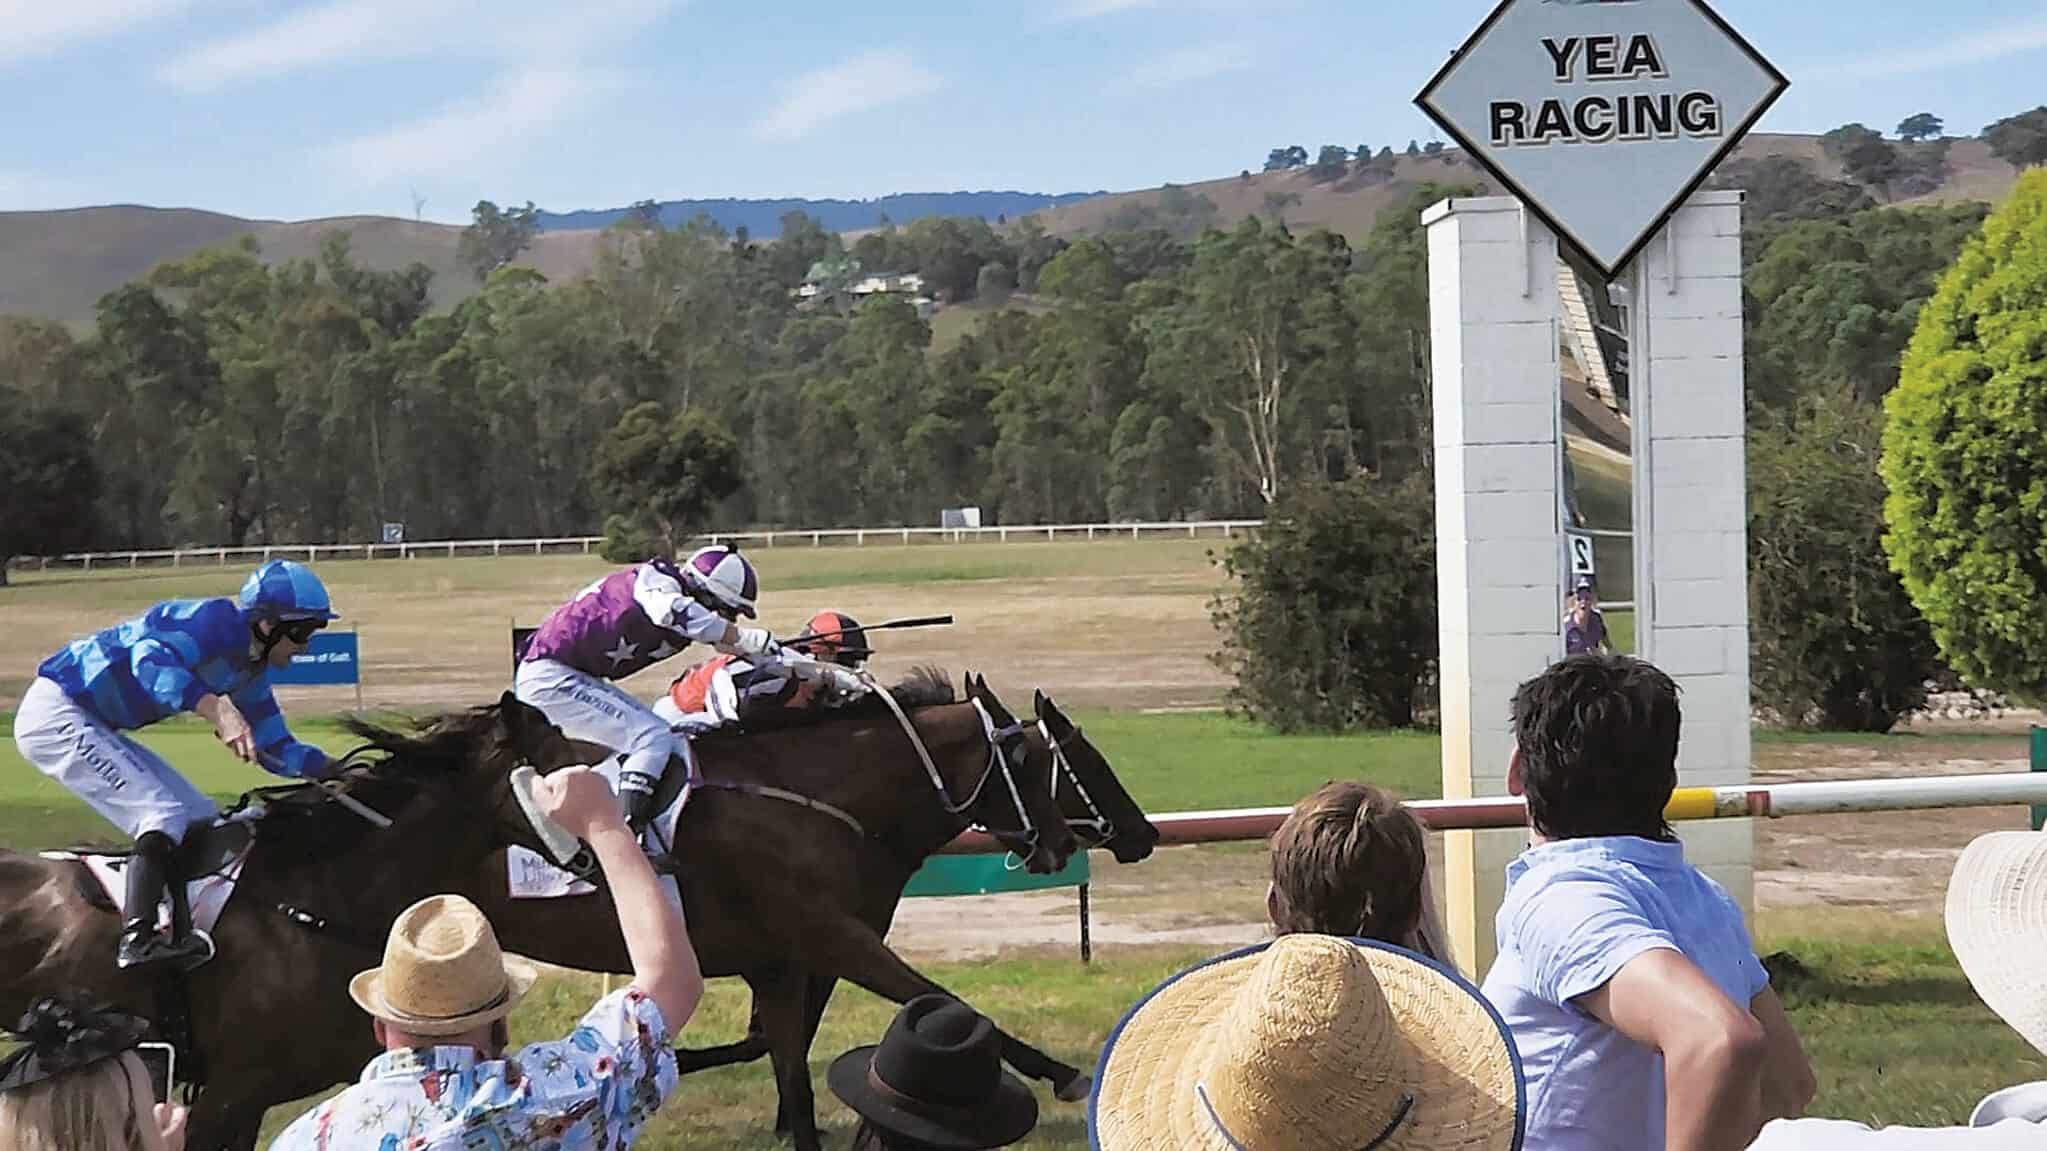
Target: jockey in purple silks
(621, 624)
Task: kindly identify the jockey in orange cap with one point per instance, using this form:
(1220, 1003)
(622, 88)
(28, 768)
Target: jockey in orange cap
(728, 688)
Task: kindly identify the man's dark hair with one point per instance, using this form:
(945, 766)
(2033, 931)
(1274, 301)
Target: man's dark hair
(1598, 741)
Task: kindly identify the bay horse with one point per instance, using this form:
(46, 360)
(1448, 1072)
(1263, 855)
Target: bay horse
(782, 893)
(269, 1016)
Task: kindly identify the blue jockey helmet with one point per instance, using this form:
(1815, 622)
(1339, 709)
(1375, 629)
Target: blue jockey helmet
(285, 591)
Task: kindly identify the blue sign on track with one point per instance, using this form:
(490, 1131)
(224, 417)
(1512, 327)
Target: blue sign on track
(331, 658)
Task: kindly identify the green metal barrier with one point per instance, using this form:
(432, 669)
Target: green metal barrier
(2039, 763)
(990, 875)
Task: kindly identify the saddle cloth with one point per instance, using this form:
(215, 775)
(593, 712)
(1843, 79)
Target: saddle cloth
(218, 860)
(531, 875)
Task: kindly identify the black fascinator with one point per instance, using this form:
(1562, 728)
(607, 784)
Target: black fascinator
(63, 1035)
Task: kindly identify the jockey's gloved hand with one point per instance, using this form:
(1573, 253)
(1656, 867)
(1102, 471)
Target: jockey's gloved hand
(755, 641)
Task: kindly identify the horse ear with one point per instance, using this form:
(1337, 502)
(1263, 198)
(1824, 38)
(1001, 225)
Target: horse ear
(1038, 702)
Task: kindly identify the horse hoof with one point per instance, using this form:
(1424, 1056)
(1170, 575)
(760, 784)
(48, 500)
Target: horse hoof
(1076, 1090)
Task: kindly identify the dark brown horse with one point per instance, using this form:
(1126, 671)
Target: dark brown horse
(270, 1017)
(790, 898)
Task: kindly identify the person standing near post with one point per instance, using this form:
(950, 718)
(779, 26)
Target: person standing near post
(1584, 625)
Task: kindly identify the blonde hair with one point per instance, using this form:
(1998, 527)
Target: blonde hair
(106, 1106)
(1351, 860)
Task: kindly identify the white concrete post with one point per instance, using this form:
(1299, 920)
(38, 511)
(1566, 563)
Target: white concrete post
(1691, 575)
(1493, 332)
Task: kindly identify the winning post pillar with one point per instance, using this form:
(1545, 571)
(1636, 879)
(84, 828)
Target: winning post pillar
(1493, 333)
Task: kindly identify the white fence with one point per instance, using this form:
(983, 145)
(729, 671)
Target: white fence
(587, 545)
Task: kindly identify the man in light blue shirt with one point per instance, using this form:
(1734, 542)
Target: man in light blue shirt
(1643, 1018)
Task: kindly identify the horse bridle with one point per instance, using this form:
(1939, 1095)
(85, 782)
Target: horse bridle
(1103, 826)
(1003, 752)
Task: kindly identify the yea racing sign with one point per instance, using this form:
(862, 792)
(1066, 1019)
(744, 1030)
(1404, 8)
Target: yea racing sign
(1602, 115)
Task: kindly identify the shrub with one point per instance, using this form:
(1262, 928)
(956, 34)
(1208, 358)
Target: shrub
(1331, 623)
(1835, 641)
(1965, 454)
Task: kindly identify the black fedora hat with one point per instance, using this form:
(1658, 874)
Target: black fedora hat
(936, 1078)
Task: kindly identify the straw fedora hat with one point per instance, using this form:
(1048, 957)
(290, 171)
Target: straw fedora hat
(1310, 1043)
(442, 972)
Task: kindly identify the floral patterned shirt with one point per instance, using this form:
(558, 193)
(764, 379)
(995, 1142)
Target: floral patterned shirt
(592, 1091)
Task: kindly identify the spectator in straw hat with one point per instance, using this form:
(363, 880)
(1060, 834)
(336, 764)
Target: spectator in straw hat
(1635, 997)
(1351, 860)
(1997, 925)
(444, 990)
(1309, 1043)
(934, 1081)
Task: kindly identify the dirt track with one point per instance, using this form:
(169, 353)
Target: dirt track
(1892, 863)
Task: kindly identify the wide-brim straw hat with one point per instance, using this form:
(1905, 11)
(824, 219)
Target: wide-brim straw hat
(443, 973)
(1310, 1043)
(1997, 925)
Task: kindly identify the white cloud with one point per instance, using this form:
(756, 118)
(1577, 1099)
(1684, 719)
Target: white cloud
(866, 82)
(31, 192)
(1969, 48)
(32, 28)
(345, 30)
(1187, 65)
(474, 137)
(1072, 10)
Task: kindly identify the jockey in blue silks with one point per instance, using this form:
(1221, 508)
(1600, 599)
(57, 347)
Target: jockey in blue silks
(209, 656)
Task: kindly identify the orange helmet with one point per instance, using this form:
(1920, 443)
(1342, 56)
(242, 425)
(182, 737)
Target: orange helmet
(834, 637)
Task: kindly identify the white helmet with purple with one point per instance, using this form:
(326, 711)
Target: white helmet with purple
(724, 574)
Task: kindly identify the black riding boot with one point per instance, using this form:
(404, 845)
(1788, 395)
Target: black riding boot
(636, 801)
(140, 944)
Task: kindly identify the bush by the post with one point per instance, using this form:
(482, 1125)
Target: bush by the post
(1835, 641)
(1965, 454)
(1331, 620)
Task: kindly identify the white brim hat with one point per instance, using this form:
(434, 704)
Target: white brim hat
(1997, 926)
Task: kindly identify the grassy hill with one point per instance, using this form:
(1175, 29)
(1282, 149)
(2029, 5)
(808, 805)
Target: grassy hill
(57, 264)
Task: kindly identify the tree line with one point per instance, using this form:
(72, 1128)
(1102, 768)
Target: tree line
(1150, 374)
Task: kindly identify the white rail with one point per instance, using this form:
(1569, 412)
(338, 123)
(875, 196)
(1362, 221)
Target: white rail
(586, 545)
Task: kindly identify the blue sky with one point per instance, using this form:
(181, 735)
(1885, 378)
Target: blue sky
(292, 110)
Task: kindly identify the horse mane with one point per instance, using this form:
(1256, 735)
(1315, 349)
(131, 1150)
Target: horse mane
(924, 686)
(385, 772)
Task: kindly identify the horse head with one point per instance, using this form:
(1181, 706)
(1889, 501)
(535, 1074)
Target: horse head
(1091, 800)
(1013, 801)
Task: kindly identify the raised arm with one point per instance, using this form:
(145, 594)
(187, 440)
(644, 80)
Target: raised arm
(664, 961)
(1713, 1049)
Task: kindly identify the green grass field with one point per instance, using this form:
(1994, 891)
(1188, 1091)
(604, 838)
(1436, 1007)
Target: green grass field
(1893, 1030)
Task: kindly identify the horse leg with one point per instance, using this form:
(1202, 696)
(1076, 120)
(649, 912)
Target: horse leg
(817, 994)
(780, 998)
(860, 956)
(755, 1045)
(220, 1122)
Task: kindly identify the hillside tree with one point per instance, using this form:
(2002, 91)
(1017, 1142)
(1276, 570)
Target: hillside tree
(1921, 126)
(495, 237)
(1330, 163)
(2020, 140)
(1864, 155)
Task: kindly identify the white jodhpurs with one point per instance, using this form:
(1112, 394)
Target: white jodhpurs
(587, 708)
(124, 781)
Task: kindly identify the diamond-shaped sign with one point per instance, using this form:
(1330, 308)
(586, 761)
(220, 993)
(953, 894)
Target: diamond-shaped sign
(1602, 115)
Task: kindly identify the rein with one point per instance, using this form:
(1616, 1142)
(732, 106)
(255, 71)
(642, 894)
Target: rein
(996, 737)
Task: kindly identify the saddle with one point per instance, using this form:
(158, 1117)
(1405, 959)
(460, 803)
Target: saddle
(204, 870)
